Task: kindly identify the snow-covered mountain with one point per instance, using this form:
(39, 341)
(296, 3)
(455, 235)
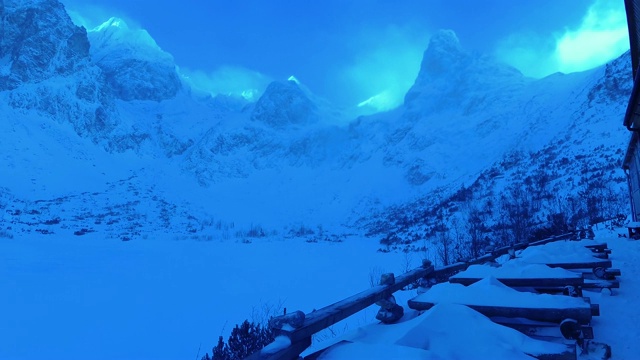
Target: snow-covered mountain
(134, 66)
(101, 130)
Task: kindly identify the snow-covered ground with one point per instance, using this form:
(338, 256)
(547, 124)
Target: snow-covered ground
(619, 322)
(77, 297)
(74, 297)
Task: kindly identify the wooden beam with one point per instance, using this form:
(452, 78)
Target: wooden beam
(539, 329)
(524, 282)
(444, 273)
(482, 259)
(599, 246)
(551, 239)
(583, 265)
(601, 284)
(581, 314)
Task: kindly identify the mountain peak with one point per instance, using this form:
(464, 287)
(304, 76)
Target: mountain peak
(443, 54)
(112, 22)
(284, 103)
(133, 63)
(444, 41)
(459, 77)
(115, 37)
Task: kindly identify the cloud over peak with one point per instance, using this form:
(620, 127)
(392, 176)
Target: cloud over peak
(601, 36)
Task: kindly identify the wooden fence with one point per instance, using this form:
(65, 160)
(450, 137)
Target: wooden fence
(294, 331)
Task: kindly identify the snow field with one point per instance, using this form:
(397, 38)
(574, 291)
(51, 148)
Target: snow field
(75, 297)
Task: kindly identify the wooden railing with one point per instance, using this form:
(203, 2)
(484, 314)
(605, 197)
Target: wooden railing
(294, 331)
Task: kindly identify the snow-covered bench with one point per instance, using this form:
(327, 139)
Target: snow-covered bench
(492, 298)
(516, 273)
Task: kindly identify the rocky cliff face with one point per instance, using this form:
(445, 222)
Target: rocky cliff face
(38, 41)
(46, 66)
(49, 65)
(452, 78)
(283, 104)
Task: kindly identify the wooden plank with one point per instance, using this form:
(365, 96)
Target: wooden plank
(524, 282)
(614, 272)
(520, 246)
(551, 239)
(598, 247)
(501, 251)
(609, 274)
(601, 284)
(482, 259)
(442, 274)
(539, 329)
(582, 314)
(583, 265)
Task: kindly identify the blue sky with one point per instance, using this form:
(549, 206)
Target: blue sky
(350, 51)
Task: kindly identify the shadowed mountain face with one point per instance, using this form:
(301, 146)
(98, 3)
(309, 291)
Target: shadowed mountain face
(452, 78)
(284, 103)
(284, 159)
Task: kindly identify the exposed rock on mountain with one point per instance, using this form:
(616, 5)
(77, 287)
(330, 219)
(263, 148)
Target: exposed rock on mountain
(38, 41)
(46, 66)
(283, 104)
(452, 78)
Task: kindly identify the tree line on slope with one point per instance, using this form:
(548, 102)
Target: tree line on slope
(528, 208)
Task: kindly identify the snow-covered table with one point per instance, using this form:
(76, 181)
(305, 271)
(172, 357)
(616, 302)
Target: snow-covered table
(520, 274)
(564, 254)
(492, 298)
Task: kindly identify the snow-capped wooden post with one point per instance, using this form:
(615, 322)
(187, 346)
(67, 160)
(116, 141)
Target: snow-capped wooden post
(390, 311)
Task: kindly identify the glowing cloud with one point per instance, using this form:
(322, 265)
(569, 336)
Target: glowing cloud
(227, 80)
(602, 36)
(91, 16)
(386, 65)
